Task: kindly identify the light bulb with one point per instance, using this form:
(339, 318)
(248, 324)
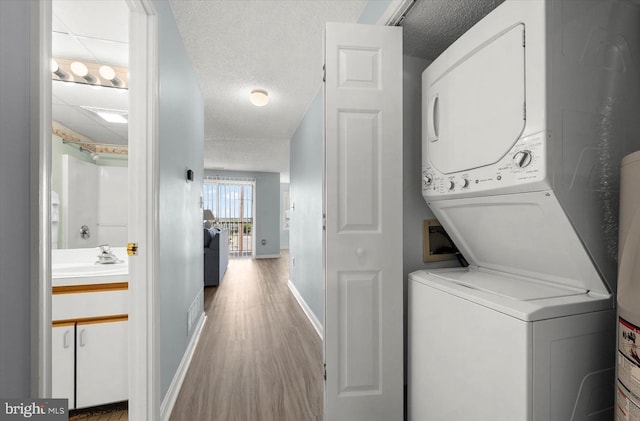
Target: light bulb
(107, 72)
(79, 69)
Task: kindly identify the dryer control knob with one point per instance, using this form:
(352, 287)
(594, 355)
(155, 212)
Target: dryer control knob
(451, 185)
(464, 183)
(427, 179)
(522, 159)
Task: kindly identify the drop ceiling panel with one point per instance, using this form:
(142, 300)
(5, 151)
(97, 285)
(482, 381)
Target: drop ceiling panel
(65, 46)
(88, 124)
(100, 19)
(91, 96)
(107, 52)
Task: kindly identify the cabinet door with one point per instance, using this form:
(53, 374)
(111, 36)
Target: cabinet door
(102, 368)
(63, 367)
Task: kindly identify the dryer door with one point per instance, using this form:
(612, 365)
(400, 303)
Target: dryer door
(476, 107)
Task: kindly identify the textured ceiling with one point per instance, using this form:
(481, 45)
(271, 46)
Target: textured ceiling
(236, 46)
(432, 25)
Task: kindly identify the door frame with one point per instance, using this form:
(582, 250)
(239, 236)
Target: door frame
(40, 144)
(144, 372)
(143, 226)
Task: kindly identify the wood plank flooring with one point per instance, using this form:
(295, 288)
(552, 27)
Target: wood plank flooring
(259, 358)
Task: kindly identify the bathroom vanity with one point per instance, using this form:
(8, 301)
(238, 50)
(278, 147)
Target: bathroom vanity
(89, 329)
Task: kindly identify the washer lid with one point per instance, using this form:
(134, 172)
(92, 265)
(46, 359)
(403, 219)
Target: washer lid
(526, 234)
(513, 287)
(527, 300)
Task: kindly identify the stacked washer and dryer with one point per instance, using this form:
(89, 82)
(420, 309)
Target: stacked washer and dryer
(525, 120)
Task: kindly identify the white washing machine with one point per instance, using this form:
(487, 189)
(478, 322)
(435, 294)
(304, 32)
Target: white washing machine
(525, 119)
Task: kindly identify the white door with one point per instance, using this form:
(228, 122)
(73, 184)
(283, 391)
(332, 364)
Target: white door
(363, 238)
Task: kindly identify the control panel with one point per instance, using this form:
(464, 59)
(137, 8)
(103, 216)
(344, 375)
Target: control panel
(525, 163)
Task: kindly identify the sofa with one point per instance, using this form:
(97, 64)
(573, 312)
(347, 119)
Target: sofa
(216, 255)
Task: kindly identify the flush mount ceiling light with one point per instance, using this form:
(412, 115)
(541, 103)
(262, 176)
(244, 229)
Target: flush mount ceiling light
(108, 115)
(259, 97)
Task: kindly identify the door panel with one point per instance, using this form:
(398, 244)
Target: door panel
(358, 171)
(363, 237)
(481, 97)
(63, 351)
(102, 369)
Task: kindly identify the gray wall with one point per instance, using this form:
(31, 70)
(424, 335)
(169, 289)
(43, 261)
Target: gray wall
(181, 142)
(305, 235)
(15, 205)
(284, 234)
(267, 209)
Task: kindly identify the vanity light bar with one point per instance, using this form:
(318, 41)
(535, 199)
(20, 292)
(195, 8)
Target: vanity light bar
(89, 73)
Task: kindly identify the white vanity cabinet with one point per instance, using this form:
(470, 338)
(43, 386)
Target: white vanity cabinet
(90, 342)
(63, 356)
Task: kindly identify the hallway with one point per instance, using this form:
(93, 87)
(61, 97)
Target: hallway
(258, 357)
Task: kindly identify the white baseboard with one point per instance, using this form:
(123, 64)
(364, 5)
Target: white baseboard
(174, 388)
(307, 310)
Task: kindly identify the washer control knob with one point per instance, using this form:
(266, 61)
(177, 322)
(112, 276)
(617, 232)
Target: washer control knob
(522, 159)
(451, 185)
(464, 183)
(427, 179)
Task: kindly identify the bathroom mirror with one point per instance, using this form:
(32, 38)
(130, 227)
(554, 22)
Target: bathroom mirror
(90, 103)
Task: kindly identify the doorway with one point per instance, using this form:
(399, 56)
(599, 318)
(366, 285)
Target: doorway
(141, 216)
(231, 202)
(90, 107)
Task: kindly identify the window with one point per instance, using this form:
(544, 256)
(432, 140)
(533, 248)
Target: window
(231, 200)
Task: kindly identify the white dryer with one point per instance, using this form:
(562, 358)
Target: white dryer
(525, 119)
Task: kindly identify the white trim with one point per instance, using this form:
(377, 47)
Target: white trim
(40, 103)
(268, 256)
(307, 310)
(174, 388)
(144, 335)
(395, 9)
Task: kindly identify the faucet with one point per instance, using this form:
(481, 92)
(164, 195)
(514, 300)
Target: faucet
(106, 256)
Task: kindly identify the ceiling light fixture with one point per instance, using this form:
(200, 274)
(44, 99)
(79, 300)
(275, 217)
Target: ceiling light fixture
(259, 97)
(108, 115)
(111, 117)
(91, 73)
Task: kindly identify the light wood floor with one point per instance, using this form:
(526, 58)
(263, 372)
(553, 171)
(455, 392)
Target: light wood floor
(259, 358)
